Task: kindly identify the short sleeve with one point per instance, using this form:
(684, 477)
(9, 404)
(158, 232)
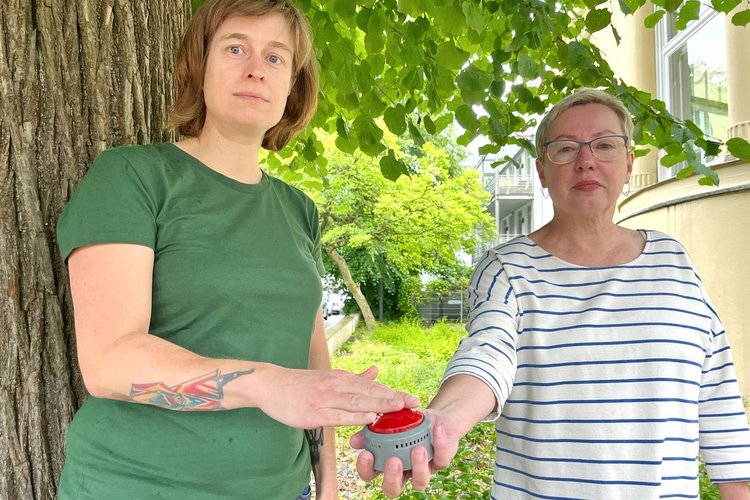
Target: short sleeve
(112, 204)
(317, 247)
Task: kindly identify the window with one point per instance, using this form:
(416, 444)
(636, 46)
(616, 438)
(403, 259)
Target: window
(691, 75)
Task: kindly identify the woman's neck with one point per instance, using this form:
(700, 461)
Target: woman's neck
(233, 159)
(589, 242)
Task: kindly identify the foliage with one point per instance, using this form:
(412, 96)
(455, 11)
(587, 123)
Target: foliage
(489, 65)
(388, 230)
(708, 490)
(413, 359)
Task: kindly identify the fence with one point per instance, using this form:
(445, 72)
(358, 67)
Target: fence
(452, 306)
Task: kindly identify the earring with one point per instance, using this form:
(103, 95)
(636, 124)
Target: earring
(626, 189)
(545, 192)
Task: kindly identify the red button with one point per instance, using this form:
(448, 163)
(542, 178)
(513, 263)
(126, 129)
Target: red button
(397, 421)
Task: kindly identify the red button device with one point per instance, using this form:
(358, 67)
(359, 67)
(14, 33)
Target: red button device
(395, 434)
(397, 421)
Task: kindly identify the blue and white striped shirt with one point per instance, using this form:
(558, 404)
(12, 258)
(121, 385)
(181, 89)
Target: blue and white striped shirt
(611, 380)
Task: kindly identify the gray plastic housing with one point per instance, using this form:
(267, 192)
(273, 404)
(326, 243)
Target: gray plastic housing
(399, 444)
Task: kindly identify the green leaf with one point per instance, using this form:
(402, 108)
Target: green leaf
(345, 145)
(497, 88)
(367, 131)
(712, 148)
(672, 5)
(450, 56)
(411, 7)
(671, 160)
(392, 168)
(725, 6)
(415, 134)
(615, 34)
(526, 67)
(693, 127)
(739, 148)
(474, 16)
(742, 18)
(346, 9)
(429, 125)
(342, 129)
(685, 172)
(652, 19)
(689, 12)
(395, 119)
(597, 19)
(466, 117)
(592, 4)
(473, 84)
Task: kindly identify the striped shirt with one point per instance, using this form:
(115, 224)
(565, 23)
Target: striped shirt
(610, 380)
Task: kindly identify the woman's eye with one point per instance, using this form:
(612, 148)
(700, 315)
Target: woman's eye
(274, 59)
(235, 50)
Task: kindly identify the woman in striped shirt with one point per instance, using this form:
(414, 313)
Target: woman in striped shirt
(594, 348)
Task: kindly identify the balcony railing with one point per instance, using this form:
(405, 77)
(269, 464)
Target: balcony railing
(509, 185)
(483, 247)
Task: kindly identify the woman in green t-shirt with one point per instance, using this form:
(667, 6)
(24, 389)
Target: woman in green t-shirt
(195, 278)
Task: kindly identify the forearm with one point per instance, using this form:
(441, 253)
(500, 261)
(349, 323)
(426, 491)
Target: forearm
(322, 443)
(465, 400)
(146, 369)
(734, 491)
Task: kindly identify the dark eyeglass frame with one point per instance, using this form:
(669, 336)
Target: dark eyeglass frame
(580, 145)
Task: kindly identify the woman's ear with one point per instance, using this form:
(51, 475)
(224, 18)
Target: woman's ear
(540, 173)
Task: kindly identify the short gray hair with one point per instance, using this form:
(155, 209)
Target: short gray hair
(579, 98)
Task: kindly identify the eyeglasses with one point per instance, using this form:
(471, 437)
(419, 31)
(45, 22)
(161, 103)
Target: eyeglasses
(605, 148)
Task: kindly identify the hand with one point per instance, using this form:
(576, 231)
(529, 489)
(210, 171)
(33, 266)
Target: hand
(444, 446)
(309, 399)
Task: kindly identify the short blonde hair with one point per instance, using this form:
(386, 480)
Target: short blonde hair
(579, 98)
(188, 113)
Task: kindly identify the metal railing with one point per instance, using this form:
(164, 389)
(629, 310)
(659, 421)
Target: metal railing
(509, 185)
(484, 246)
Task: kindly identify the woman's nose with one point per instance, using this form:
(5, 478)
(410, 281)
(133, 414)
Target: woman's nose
(585, 157)
(254, 68)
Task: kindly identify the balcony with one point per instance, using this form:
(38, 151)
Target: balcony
(509, 185)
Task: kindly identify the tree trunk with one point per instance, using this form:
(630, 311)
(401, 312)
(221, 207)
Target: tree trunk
(75, 77)
(353, 287)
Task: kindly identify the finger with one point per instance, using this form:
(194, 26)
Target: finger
(371, 373)
(357, 441)
(444, 446)
(420, 468)
(393, 477)
(365, 463)
(335, 417)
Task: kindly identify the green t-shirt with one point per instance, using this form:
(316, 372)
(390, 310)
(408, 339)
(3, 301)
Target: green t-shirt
(236, 275)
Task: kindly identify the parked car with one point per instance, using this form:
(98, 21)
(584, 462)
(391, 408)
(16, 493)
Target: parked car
(336, 303)
(326, 305)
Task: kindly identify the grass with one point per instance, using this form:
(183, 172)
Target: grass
(413, 358)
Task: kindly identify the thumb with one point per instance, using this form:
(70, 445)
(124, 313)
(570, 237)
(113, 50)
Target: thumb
(370, 374)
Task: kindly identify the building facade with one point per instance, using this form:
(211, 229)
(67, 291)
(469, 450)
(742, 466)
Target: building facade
(701, 73)
(517, 204)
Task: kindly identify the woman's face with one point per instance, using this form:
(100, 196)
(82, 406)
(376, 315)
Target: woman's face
(586, 185)
(248, 75)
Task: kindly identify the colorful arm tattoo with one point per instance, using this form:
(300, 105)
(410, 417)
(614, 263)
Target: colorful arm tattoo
(204, 393)
(315, 443)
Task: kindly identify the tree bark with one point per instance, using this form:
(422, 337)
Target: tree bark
(76, 77)
(353, 287)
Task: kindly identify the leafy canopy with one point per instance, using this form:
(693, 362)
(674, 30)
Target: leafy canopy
(489, 65)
